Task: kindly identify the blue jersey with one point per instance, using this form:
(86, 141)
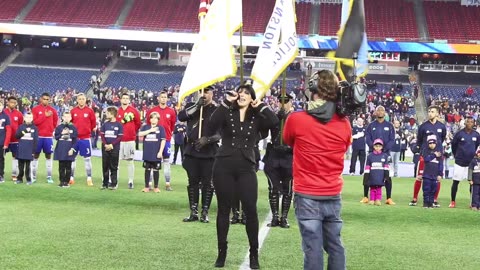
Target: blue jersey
(358, 135)
(384, 131)
(377, 166)
(433, 165)
(4, 124)
(112, 133)
(426, 129)
(464, 146)
(27, 136)
(474, 171)
(151, 143)
(65, 142)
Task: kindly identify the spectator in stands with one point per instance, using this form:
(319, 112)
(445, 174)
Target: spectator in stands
(469, 92)
(45, 118)
(83, 118)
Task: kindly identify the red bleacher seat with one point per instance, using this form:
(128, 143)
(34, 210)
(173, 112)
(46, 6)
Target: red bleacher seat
(10, 9)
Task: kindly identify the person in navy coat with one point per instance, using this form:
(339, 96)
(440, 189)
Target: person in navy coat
(27, 135)
(66, 136)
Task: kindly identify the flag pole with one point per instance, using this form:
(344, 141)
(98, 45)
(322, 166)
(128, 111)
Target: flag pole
(241, 55)
(200, 120)
(283, 94)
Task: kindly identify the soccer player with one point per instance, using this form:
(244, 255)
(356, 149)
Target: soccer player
(27, 135)
(430, 127)
(16, 119)
(5, 134)
(168, 117)
(111, 133)
(380, 129)
(66, 136)
(83, 118)
(153, 144)
(130, 119)
(464, 145)
(45, 119)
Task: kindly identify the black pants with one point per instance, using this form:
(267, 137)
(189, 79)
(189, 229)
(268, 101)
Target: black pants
(353, 161)
(64, 170)
(279, 179)
(110, 166)
(2, 163)
(230, 175)
(199, 170)
(177, 147)
(24, 169)
(402, 154)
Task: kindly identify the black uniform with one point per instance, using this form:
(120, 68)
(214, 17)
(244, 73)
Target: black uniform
(198, 158)
(278, 169)
(234, 168)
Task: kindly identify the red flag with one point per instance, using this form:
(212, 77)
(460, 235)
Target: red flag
(203, 8)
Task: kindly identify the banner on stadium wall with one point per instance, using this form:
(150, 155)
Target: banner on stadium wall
(470, 3)
(318, 64)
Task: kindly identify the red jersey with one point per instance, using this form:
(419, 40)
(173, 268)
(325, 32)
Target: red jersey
(168, 117)
(84, 120)
(16, 119)
(45, 124)
(318, 153)
(130, 128)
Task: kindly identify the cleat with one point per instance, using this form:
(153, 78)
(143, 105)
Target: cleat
(71, 182)
(14, 178)
(390, 202)
(352, 174)
(156, 190)
(371, 202)
(378, 202)
(146, 190)
(89, 182)
(475, 209)
(436, 205)
(103, 187)
(364, 200)
(34, 180)
(18, 182)
(413, 203)
(452, 204)
(130, 185)
(29, 183)
(168, 187)
(2, 180)
(66, 185)
(49, 180)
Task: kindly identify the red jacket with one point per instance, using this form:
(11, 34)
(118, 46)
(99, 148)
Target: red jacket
(16, 119)
(130, 128)
(168, 117)
(45, 124)
(318, 153)
(84, 120)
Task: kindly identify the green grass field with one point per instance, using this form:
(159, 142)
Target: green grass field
(45, 227)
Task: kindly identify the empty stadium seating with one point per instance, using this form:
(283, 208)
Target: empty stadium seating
(85, 12)
(39, 80)
(4, 52)
(10, 9)
(63, 58)
(452, 92)
(461, 25)
(147, 81)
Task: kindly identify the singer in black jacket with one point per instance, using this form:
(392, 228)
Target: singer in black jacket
(199, 154)
(239, 119)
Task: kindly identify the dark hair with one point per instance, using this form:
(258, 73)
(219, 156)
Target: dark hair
(327, 84)
(45, 94)
(248, 89)
(434, 107)
(112, 110)
(163, 92)
(124, 94)
(11, 97)
(469, 118)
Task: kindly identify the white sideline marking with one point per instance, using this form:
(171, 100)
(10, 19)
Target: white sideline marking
(262, 235)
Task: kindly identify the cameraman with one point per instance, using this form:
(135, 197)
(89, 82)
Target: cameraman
(318, 160)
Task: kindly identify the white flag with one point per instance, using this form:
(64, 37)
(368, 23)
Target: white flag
(278, 49)
(212, 59)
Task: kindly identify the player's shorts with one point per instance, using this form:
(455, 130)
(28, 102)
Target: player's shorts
(84, 148)
(460, 173)
(127, 150)
(44, 144)
(166, 151)
(12, 148)
(152, 165)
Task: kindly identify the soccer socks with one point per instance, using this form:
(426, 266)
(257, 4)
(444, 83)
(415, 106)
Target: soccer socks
(166, 170)
(156, 176)
(14, 167)
(416, 189)
(147, 177)
(49, 163)
(88, 167)
(74, 165)
(131, 170)
(454, 189)
(365, 191)
(435, 197)
(34, 166)
(388, 188)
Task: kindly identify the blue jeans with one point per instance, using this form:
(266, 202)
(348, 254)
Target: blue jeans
(395, 160)
(320, 226)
